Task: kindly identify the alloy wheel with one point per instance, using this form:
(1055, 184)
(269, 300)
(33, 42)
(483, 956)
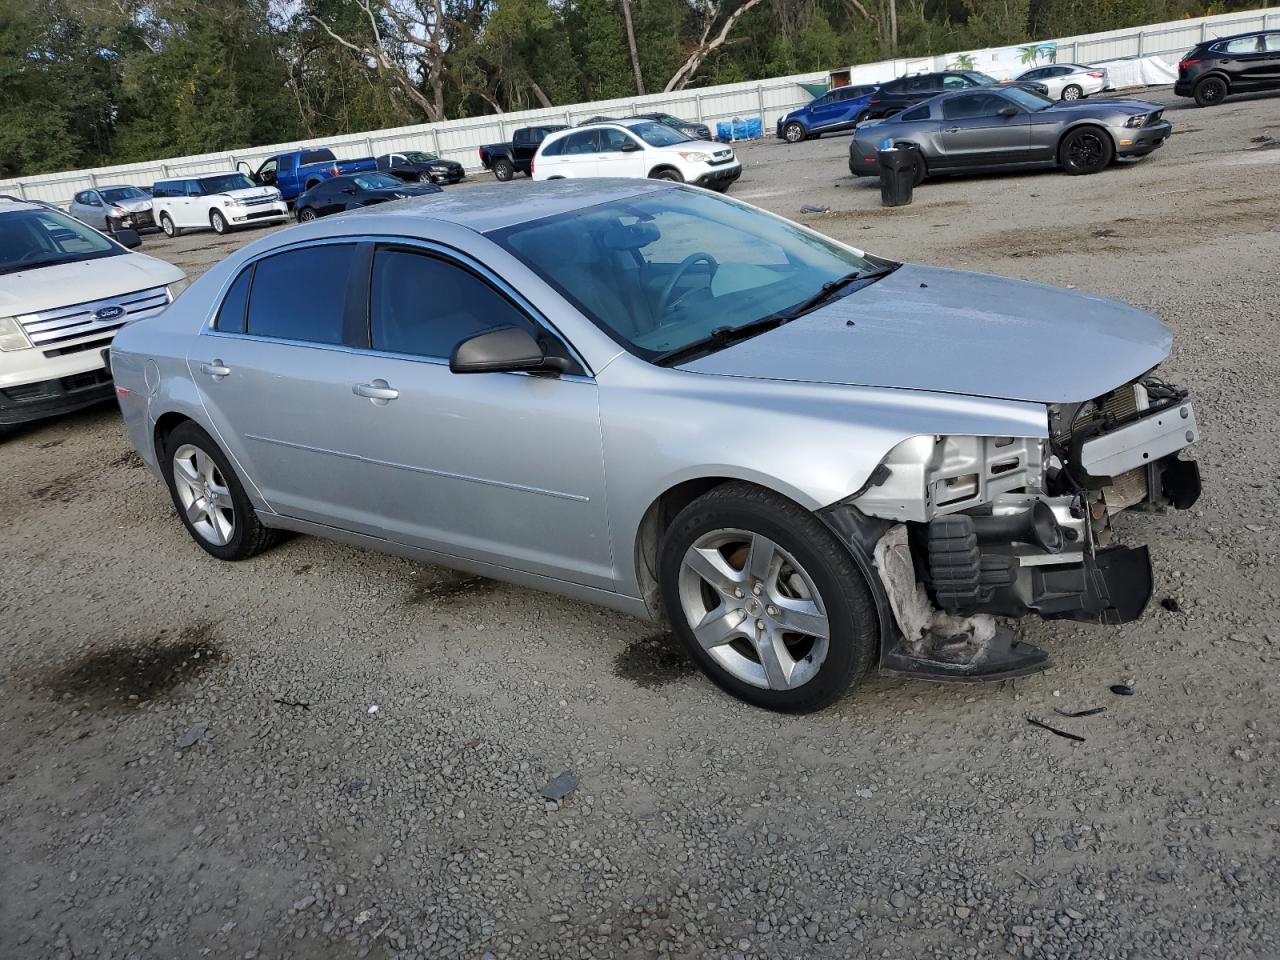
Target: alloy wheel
(794, 133)
(1085, 150)
(754, 609)
(204, 494)
(307, 215)
(1071, 93)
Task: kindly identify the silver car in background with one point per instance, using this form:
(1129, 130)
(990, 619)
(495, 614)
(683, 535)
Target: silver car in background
(118, 207)
(1068, 81)
(1012, 128)
(803, 458)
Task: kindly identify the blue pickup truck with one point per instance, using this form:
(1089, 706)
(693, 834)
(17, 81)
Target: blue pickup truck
(297, 171)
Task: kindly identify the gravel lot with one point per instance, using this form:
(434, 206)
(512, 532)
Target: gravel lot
(191, 762)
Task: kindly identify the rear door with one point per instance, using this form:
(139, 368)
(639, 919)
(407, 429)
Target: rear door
(504, 468)
(1269, 67)
(824, 111)
(578, 154)
(974, 134)
(274, 375)
(1245, 59)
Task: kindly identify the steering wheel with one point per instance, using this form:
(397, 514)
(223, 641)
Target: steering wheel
(663, 301)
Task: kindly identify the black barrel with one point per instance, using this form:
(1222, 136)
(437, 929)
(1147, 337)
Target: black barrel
(897, 175)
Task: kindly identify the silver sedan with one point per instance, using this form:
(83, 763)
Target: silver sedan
(1068, 81)
(807, 460)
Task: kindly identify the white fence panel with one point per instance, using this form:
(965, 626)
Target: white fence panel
(767, 99)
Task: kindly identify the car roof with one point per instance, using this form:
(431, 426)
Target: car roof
(489, 207)
(10, 204)
(1235, 36)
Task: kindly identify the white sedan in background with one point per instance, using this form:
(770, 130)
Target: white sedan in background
(635, 148)
(1068, 81)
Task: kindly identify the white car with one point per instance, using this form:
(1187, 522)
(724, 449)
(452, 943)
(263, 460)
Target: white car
(218, 202)
(1068, 81)
(65, 289)
(635, 148)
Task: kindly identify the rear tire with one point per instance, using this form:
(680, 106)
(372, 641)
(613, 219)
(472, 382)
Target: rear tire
(306, 215)
(1086, 150)
(793, 132)
(1210, 91)
(167, 225)
(1072, 91)
(209, 498)
(503, 169)
(219, 223)
(793, 577)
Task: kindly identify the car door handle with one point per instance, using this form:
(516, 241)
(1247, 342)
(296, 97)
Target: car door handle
(215, 369)
(950, 129)
(379, 391)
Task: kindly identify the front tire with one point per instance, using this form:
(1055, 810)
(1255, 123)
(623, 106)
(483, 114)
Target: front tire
(306, 215)
(793, 132)
(503, 170)
(167, 225)
(424, 177)
(1072, 92)
(219, 223)
(1086, 150)
(765, 599)
(209, 498)
(667, 174)
(1210, 91)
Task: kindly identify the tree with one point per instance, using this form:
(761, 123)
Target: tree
(709, 14)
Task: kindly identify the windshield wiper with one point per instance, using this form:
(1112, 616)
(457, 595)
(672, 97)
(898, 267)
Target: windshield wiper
(721, 337)
(829, 289)
(718, 339)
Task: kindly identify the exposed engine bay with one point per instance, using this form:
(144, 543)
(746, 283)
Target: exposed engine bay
(1010, 526)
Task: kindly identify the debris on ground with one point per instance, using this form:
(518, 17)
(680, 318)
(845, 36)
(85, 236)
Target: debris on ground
(1091, 712)
(292, 703)
(1122, 690)
(563, 784)
(1054, 730)
(1170, 604)
(812, 208)
(192, 736)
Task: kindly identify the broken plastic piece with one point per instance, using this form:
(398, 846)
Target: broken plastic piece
(1062, 733)
(1091, 712)
(561, 786)
(1122, 690)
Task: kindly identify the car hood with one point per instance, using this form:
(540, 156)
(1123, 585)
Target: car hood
(133, 205)
(249, 193)
(1095, 107)
(926, 328)
(66, 284)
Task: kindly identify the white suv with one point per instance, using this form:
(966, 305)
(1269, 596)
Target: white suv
(65, 289)
(635, 148)
(218, 201)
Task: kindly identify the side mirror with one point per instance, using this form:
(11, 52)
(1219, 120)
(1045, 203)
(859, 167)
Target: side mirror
(630, 146)
(1009, 111)
(128, 238)
(501, 350)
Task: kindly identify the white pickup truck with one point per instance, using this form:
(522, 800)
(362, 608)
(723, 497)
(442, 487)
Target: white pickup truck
(65, 289)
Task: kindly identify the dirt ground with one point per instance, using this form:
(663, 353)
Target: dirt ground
(325, 752)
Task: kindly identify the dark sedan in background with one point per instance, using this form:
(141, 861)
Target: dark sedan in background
(352, 191)
(1003, 128)
(690, 128)
(421, 167)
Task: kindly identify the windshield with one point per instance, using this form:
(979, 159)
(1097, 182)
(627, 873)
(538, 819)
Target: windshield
(42, 238)
(225, 182)
(981, 77)
(376, 181)
(661, 271)
(418, 156)
(1027, 99)
(116, 194)
(657, 134)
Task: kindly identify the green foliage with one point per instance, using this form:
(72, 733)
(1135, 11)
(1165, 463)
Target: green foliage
(90, 82)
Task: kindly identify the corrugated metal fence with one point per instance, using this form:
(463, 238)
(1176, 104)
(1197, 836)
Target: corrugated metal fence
(768, 99)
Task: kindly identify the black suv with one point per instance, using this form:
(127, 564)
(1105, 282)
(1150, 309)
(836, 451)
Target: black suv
(896, 95)
(1213, 70)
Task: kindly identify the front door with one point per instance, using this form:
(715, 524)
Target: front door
(504, 468)
(613, 161)
(974, 133)
(578, 154)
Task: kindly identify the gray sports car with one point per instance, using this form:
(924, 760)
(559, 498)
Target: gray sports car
(970, 131)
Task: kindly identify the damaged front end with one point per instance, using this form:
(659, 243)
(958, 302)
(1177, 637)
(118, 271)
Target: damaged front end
(962, 529)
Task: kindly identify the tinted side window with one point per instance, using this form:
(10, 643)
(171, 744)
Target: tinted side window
(231, 314)
(916, 113)
(955, 82)
(1242, 45)
(301, 294)
(1271, 42)
(315, 156)
(612, 141)
(893, 86)
(578, 143)
(554, 148)
(423, 306)
(973, 106)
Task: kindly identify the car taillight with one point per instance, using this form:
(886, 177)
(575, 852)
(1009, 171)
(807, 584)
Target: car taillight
(531, 160)
(873, 100)
(334, 171)
(1187, 63)
(1097, 76)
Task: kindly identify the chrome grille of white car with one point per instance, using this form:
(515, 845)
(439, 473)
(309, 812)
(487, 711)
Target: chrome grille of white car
(254, 201)
(83, 319)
